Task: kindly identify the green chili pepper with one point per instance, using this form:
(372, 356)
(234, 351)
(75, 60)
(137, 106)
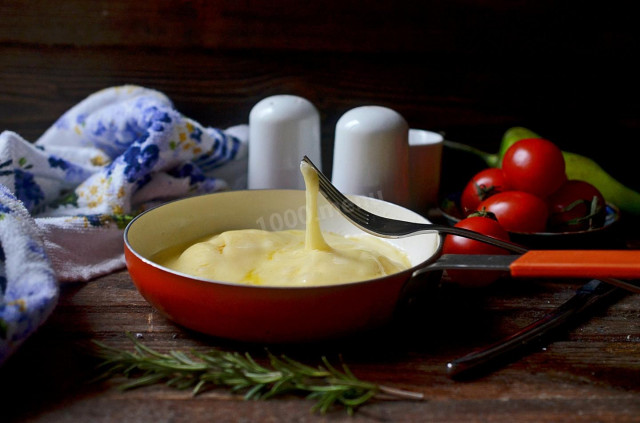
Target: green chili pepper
(577, 167)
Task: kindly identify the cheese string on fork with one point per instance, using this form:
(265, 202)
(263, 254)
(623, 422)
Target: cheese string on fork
(313, 236)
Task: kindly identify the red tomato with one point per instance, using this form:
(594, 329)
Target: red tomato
(576, 206)
(518, 211)
(481, 186)
(454, 244)
(534, 165)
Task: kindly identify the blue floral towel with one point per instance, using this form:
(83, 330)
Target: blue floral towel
(65, 199)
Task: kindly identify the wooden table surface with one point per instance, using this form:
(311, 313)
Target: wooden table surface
(589, 372)
(468, 69)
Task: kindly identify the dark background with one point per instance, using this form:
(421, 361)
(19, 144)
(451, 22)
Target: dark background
(470, 69)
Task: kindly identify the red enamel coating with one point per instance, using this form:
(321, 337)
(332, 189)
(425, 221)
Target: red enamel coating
(258, 314)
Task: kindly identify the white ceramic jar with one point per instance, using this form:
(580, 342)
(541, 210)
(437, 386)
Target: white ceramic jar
(371, 154)
(282, 130)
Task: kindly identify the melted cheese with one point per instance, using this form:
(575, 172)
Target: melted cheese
(287, 258)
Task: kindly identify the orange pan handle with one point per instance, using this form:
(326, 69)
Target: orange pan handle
(622, 264)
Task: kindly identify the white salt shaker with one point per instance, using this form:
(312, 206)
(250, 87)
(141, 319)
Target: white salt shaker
(282, 130)
(371, 154)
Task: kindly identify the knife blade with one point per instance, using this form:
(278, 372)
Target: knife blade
(587, 296)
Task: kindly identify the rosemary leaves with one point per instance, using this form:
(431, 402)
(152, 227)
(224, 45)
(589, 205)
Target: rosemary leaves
(326, 384)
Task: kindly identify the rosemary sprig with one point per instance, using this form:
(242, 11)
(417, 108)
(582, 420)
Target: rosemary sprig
(327, 385)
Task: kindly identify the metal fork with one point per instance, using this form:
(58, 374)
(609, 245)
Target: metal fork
(391, 228)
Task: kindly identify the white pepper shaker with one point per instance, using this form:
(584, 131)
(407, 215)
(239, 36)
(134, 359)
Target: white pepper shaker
(282, 130)
(371, 154)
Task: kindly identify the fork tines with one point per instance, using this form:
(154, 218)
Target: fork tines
(334, 196)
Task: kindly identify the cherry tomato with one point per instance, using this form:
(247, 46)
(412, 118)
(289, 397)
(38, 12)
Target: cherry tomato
(481, 186)
(454, 244)
(576, 206)
(534, 165)
(518, 211)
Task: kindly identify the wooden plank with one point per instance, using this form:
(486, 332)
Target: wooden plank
(327, 25)
(593, 371)
(496, 28)
(218, 89)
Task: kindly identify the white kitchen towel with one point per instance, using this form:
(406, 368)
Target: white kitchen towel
(66, 198)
